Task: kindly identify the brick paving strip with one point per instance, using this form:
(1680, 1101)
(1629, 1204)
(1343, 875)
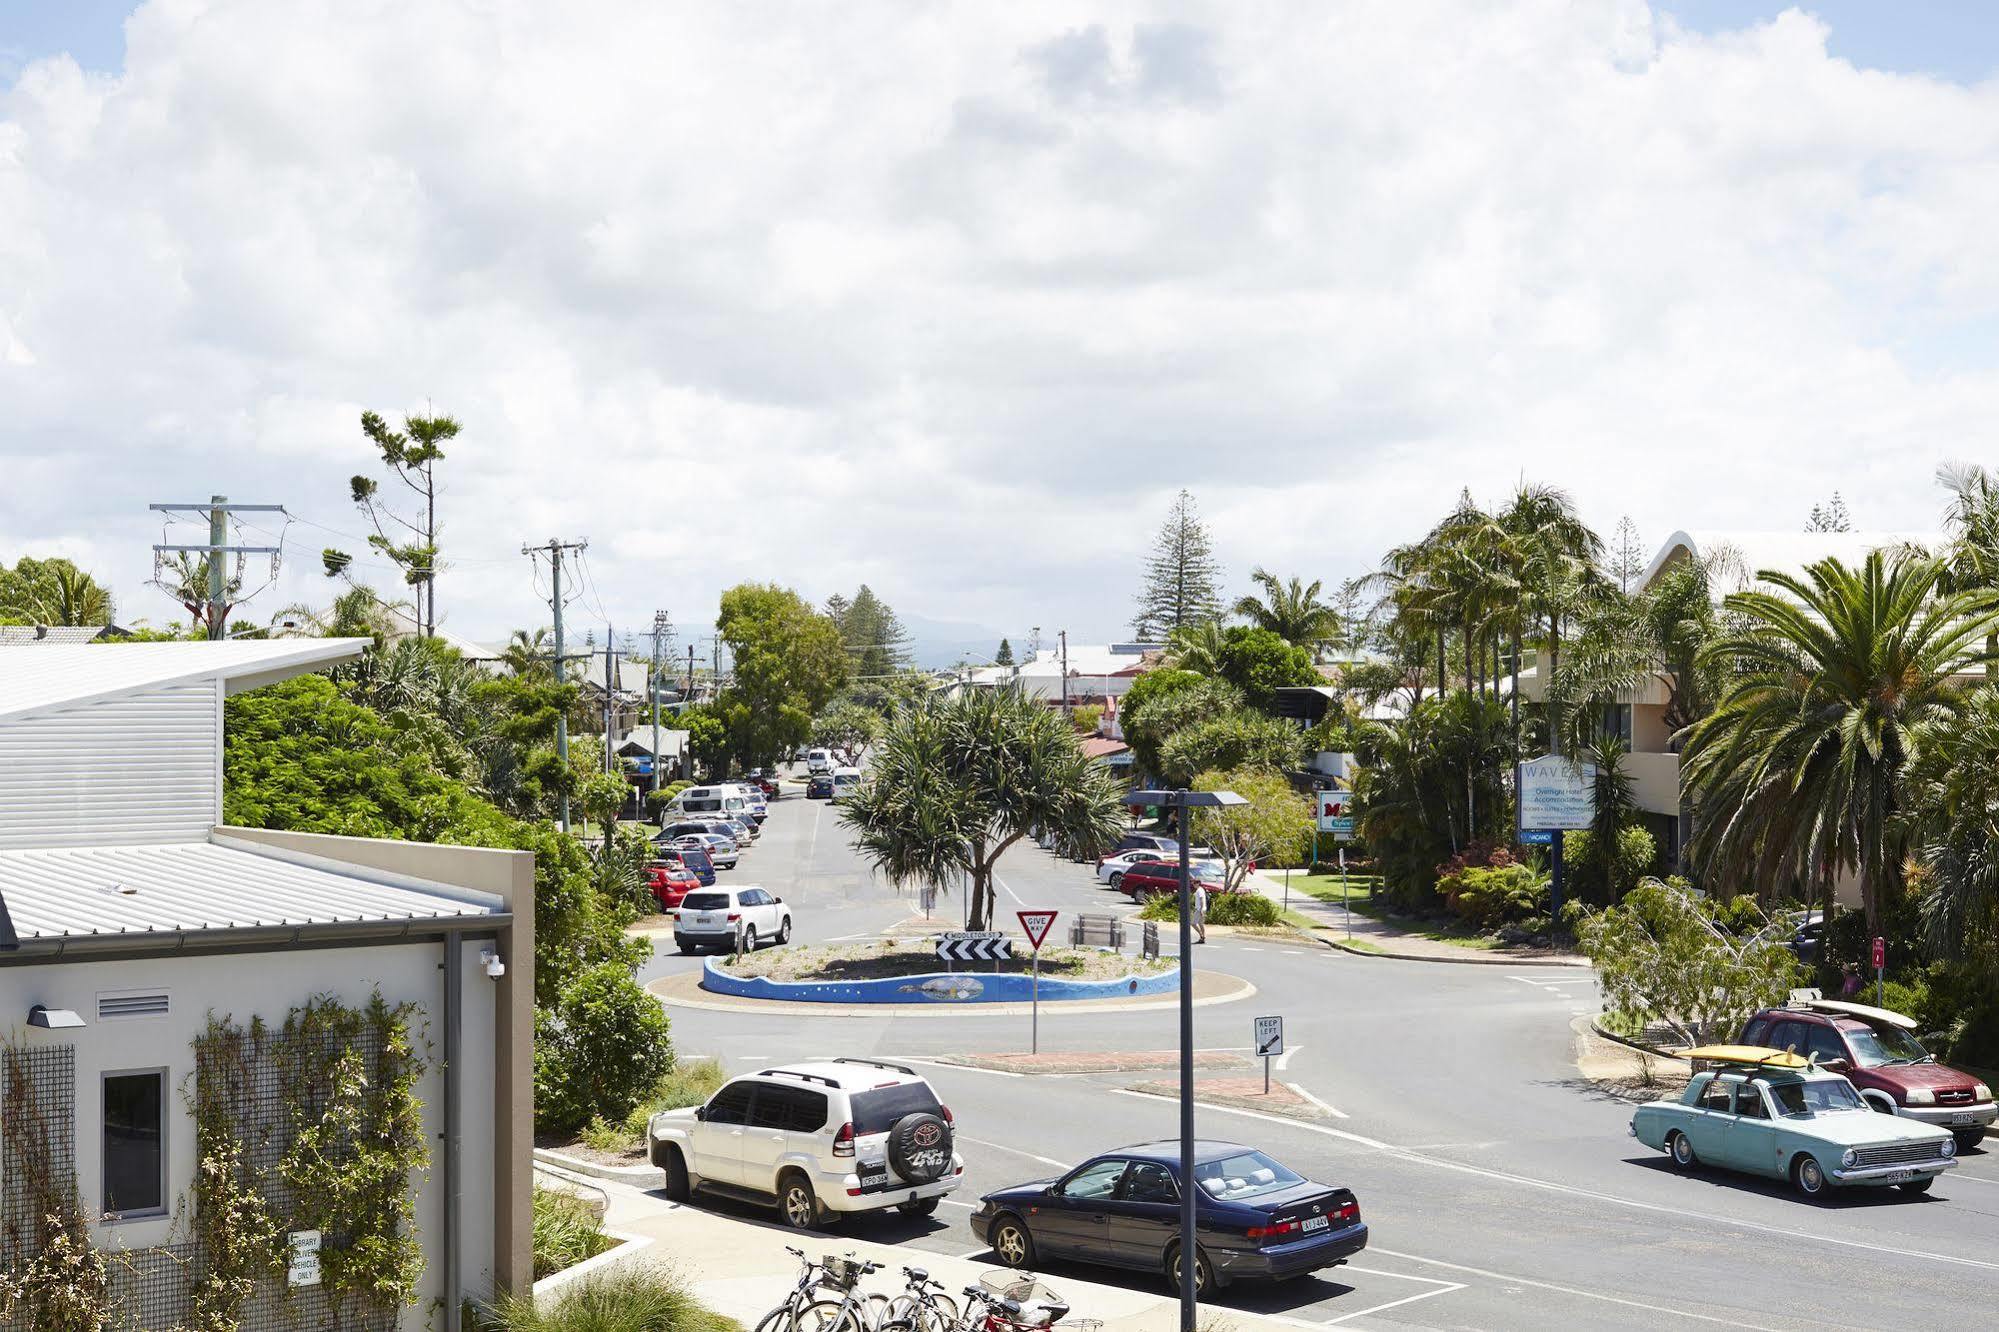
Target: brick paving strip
(1095, 1061)
(1243, 1093)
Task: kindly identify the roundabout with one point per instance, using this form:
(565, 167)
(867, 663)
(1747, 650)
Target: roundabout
(899, 995)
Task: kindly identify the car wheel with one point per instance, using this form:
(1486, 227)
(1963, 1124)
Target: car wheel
(784, 931)
(686, 950)
(749, 939)
(1808, 1177)
(921, 1207)
(1917, 1185)
(1011, 1242)
(1967, 1141)
(677, 1188)
(1682, 1151)
(1117, 882)
(797, 1202)
(1204, 1275)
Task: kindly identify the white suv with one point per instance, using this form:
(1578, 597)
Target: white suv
(818, 1139)
(718, 917)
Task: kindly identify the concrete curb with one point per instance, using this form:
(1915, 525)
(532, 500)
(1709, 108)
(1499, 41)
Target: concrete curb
(1596, 1026)
(629, 1249)
(643, 1176)
(1490, 959)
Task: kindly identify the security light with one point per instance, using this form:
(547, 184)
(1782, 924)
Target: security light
(43, 1016)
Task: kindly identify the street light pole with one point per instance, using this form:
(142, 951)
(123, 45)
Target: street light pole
(1189, 1248)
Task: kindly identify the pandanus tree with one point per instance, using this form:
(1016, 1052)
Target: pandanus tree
(1837, 680)
(953, 783)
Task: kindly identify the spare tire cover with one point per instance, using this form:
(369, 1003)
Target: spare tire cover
(919, 1147)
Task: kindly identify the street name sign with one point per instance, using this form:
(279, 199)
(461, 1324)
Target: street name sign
(1036, 925)
(1556, 793)
(980, 946)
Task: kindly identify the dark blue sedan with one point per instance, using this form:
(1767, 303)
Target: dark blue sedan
(1253, 1217)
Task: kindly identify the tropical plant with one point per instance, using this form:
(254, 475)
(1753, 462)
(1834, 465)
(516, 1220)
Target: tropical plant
(1954, 820)
(1182, 576)
(1228, 742)
(1494, 894)
(1971, 559)
(358, 612)
(1197, 647)
(1551, 556)
(1164, 702)
(1293, 610)
(52, 591)
(1260, 663)
(1840, 677)
(956, 782)
(1271, 826)
(529, 655)
(1413, 807)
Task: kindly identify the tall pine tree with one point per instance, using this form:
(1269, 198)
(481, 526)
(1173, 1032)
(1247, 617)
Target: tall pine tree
(1182, 576)
(876, 643)
(1004, 657)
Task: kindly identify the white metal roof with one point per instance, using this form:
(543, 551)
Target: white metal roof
(47, 676)
(125, 891)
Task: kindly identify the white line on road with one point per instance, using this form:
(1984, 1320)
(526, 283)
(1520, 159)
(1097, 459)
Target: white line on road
(1283, 1061)
(1569, 1290)
(1442, 1288)
(1009, 892)
(1573, 1190)
(1000, 1146)
(953, 1202)
(1328, 1108)
(966, 1068)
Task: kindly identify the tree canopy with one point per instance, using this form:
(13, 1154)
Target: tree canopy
(52, 591)
(1182, 576)
(788, 661)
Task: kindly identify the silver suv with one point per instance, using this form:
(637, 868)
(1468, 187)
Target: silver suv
(817, 1139)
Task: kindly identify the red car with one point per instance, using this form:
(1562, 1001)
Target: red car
(1878, 1052)
(1146, 879)
(669, 882)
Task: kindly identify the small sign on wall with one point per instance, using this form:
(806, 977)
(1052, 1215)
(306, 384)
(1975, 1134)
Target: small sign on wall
(303, 1269)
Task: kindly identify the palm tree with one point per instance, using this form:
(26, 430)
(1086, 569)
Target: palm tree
(528, 655)
(1197, 647)
(1552, 555)
(358, 612)
(1837, 679)
(184, 577)
(1292, 610)
(1955, 828)
(53, 592)
(1972, 518)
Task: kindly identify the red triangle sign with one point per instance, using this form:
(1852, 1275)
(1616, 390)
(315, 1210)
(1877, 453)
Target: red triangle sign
(1036, 923)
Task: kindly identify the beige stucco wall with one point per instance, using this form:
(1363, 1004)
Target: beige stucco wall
(510, 876)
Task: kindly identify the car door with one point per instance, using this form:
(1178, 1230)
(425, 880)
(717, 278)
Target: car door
(778, 1116)
(1749, 1140)
(761, 910)
(718, 1135)
(1707, 1127)
(1145, 1216)
(1075, 1222)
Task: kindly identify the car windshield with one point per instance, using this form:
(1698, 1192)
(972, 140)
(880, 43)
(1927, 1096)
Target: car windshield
(705, 901)
(1821, 1096)
(1245, 1175)
(1875, 1046)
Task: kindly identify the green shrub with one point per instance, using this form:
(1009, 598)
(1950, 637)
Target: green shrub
(631, 1299)
(1488, 896)
(1160, 906)
(1595, 879)
(690, 1083)
(565, 1232)
(1243, 909)
(599, 1050)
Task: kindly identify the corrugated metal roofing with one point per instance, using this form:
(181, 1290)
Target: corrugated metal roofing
(126, 891)
(48, 634)
(47, 676)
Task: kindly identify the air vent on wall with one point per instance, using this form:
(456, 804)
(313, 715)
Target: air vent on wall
(131, 1004)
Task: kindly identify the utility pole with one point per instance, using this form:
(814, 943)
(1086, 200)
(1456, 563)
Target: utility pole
(1064, 635)
(610, 696)
(690, 673)
(554, 550)
(659, 625)
(215, 607)
(716, 641)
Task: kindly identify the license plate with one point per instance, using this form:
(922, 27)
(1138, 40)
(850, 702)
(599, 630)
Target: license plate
(1899, 1176)
(1317, 1222)
(874, 1175)
(1964, 1118)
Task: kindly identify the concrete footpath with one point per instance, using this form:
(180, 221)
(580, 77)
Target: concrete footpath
(738, 1267)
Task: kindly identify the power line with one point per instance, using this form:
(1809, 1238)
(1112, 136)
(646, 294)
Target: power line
(214, 604)
(554, 550)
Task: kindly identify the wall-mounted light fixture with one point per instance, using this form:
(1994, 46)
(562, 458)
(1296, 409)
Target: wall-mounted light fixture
(41, 1015)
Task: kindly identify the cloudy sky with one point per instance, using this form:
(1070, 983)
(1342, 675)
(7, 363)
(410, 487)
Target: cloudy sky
(951, 299)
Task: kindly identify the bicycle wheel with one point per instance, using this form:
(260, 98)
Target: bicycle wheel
(777, 1320)
(826, 1316)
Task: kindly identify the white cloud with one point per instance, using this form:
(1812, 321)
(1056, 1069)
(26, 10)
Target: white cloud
(952, 299)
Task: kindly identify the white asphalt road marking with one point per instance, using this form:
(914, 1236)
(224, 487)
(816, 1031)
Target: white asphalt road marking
(1000, 1146)
(953, 1202)
(1570, 1290)
(1442, 1288)
(1283, 1061)
(1707, 1218)
(1008, 891)
(965, 1068)
(1330, 1109)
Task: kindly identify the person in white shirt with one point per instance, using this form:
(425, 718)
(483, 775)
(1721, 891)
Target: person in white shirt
(1200, 913)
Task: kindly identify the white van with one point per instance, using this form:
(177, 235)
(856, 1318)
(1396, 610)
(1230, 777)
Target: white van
(707, 800)
(845, 781)
(818, 761)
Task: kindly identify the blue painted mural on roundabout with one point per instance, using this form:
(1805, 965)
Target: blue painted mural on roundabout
(962, 987)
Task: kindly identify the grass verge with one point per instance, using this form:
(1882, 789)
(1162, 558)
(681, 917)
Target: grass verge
(565, 1232)
(639, 1298)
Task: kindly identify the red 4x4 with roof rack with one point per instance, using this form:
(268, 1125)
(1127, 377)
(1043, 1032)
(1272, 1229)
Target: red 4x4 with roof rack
(1878, 1052)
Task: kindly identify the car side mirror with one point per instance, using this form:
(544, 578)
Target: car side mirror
(777, 899)
(701, 1112)
(1836, 1065)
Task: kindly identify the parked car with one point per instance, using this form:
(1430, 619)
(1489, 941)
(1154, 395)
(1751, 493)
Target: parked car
(819, 786)
(695, 858)
(690, 828)
(716, 917)
(1140, 841)
(1117, 862)
(1148, 880)
(1254, 1217)
(721, 850)
(846, 781)
(670, 882)
(819, 1139)
(1770, 1112)
(818, 761)
(1879, 1054)
(744, 831)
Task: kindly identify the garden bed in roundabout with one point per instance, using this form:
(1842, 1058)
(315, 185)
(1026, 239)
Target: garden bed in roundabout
(906, 971)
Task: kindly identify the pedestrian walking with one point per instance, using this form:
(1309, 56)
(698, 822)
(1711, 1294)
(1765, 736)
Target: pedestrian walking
(1200, 913)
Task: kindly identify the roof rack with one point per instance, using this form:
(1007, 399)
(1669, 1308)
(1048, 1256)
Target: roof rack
(803, 1077)
(903, 1069)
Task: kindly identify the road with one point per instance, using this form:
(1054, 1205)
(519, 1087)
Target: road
(1501, 1189)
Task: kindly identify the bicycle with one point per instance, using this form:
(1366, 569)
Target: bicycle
(922, 1307)
(852, 1312)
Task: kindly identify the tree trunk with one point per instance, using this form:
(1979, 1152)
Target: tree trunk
(1554, 664)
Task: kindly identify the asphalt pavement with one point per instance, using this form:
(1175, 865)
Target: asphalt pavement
(1501, 1188)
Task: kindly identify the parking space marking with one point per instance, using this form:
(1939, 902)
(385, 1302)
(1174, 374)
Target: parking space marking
(1572, 1290)
(1442, 1288)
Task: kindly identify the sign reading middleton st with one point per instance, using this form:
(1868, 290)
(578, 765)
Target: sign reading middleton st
(1557, 793)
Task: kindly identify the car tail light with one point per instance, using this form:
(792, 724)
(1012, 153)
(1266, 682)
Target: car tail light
(1347, 1212)
(944, 1113)
(735, 915)
(854, 1192)
(1274, 1231)
(843, 1141)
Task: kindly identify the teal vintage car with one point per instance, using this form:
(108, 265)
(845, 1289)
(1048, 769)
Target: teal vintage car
(1768, 1112)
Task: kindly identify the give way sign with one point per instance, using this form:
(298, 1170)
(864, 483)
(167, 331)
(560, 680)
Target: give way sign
(1036, 924)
